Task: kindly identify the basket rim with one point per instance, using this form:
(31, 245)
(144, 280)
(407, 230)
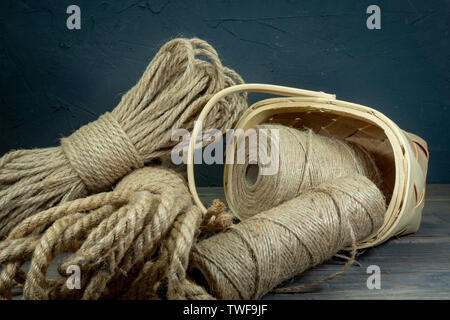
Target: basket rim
(325, 103)
(392, 131)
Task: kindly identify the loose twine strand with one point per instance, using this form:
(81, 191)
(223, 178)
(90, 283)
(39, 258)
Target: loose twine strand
(172, 91)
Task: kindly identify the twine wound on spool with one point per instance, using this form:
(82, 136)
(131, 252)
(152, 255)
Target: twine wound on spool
(178, 82)
(251, 258)
(305, 160)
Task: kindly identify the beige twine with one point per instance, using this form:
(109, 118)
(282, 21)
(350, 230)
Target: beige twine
(253, 257)
(135, 242)
(131, 243)
(305, 160)
(178, 82)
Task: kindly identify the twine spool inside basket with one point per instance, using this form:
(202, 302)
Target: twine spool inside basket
(401, 156)
(305, 160)
(253, 257)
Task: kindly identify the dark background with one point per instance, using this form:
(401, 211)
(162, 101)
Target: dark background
(53, 80)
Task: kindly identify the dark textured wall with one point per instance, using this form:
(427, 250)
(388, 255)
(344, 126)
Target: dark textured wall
(53, 80)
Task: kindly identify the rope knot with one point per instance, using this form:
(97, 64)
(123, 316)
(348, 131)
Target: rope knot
(101, 153)
(216, 219)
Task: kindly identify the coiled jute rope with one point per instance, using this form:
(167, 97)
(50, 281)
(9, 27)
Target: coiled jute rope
(128, 243)
(305, 160)
(177, 83)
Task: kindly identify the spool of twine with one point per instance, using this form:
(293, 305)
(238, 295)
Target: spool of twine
(305, 159)
(177, 83)
(251, 258)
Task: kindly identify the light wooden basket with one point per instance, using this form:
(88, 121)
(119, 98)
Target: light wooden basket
(402, 157)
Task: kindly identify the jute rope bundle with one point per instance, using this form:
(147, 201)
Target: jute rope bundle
(305, 160)
(129, 243)
(178, 82)
(253, 257)
(135, 242)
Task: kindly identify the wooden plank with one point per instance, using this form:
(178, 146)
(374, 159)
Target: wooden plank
(419, 271)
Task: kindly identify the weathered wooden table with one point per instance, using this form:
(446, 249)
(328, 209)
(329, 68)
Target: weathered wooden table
(416, 266)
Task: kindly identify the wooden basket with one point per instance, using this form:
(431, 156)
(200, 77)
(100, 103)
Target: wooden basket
(402, 157)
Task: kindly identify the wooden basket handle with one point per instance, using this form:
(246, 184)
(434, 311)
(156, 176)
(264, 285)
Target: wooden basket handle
(248, 87)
